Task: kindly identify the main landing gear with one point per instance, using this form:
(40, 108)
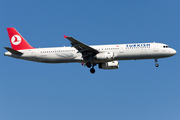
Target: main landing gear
(88, 64)
(92, 70)
(157, 65)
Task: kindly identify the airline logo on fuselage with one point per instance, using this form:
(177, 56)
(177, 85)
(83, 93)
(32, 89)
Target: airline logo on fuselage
(138, 45)
(16, 40)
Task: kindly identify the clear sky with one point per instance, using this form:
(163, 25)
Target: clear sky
(136, 91)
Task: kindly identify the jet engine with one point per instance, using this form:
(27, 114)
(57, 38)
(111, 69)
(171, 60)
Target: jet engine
(105, 56)
(109, 65)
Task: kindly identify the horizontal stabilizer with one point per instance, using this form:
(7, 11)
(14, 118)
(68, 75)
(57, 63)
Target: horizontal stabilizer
(13, 51)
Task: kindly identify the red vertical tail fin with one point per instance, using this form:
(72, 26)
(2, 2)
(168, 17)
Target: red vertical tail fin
(17, 41)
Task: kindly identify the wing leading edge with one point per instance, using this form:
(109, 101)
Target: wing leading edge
(82, 48)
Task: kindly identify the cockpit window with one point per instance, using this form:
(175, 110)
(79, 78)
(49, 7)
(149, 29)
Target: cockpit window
(165, 46)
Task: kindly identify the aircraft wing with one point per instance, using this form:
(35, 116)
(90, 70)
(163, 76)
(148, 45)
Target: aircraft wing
(81, 47)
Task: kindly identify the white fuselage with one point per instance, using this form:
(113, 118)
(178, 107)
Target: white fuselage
(119, 51)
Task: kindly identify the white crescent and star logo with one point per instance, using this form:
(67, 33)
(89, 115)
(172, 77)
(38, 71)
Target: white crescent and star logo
(16, 40)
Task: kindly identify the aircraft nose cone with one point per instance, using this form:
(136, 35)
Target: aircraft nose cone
(173, 52)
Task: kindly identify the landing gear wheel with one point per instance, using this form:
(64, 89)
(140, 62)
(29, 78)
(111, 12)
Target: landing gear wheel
(92, 70)
(157, 65)
(88, 64)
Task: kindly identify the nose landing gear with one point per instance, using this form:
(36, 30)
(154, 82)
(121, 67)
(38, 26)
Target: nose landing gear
(157, 65)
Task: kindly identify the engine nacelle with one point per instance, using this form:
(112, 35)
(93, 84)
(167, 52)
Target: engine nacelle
(109, 65)
(105, 56)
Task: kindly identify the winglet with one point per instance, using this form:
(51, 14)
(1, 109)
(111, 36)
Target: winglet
(65, 36)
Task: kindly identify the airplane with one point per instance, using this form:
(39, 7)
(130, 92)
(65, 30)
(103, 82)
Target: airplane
(105, 56)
